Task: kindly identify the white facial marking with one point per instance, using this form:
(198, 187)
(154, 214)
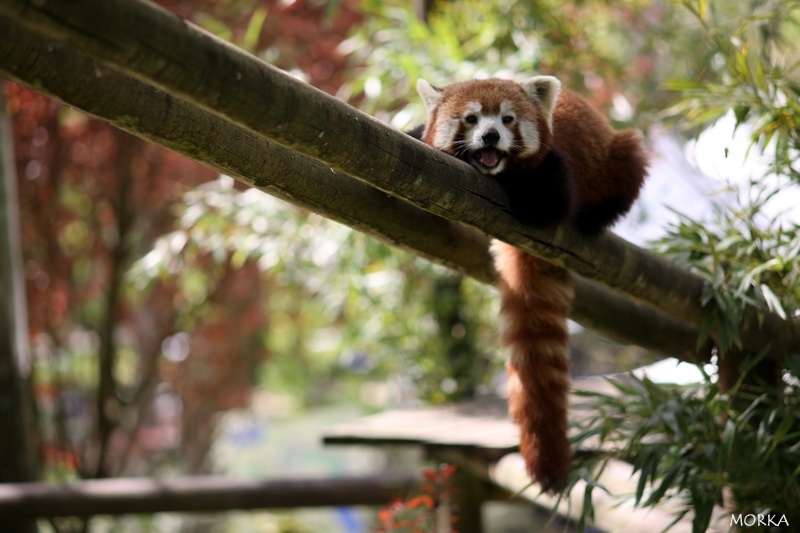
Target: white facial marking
(544, 90)
(529, 132)
(484, 125)
(475, 124)
(431, 96)
(445, 134)
(473, 108)
(474, 141)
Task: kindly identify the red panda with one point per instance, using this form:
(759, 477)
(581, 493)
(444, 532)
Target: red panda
(558, 159)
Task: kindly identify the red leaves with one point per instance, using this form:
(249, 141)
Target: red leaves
(421, 501)
(432, 510)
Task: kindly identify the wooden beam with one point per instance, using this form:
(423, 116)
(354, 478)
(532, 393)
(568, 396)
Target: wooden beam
(176, 124)
(149, 43)
(194, 495)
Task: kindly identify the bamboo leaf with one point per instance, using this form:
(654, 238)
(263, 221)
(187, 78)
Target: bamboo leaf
(772, 301)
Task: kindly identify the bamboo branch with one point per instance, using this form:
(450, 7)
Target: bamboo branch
(178, 125)
(152, 45)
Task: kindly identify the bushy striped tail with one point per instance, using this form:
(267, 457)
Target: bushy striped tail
(536, 299)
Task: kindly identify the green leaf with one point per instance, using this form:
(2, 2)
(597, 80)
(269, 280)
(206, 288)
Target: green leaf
(684, 84)
(667, 483)
(703, 509)
(741, 112)
(728, 437)
(772, 301)
(646, 464)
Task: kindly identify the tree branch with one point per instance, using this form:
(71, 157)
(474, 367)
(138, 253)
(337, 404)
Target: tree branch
(185, 61)
(171, 122)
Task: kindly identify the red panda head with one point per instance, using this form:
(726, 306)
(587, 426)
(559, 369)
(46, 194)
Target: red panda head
(486, 122)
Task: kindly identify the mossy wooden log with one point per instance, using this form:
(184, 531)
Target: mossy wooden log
(171, 122)
(154, 46)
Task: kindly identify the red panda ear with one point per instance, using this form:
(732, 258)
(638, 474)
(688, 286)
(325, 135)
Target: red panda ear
(544, 90)
(431, 96)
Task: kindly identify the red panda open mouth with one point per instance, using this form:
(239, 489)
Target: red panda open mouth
(489, 157)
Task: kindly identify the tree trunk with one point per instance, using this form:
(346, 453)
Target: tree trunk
(17, 438)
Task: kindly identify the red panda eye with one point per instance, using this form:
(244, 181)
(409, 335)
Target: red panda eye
(471, 119)
(508, 119)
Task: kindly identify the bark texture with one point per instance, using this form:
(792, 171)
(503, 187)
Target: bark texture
(152, 45)
(172, 122)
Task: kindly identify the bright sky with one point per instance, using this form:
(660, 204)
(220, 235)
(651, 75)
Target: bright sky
(691, 178)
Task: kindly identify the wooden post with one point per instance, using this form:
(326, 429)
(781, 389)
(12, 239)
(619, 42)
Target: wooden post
(17, 448)
(469, 494)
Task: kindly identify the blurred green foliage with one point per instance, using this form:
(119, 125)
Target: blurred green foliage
(698, 448)
(704, 447)
(750, 258)
(343, 307)
(748, 252)
(609, 51)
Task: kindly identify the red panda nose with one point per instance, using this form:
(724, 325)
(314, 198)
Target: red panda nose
(491, 137)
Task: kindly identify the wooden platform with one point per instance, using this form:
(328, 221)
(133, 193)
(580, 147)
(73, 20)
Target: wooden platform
(481, 425)
(480, 438)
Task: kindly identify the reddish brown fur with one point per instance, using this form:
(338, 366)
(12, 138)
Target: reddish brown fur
(606, 170)
(536, 299)
(492, 92)
(609, 167)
